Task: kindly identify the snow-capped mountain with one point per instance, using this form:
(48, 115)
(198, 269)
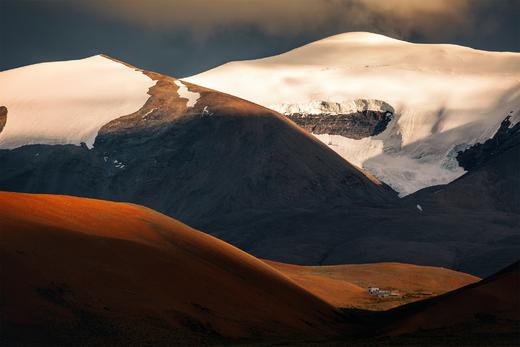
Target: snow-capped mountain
(101, 128)
(248, 174)
(68, 102)
(443, 99)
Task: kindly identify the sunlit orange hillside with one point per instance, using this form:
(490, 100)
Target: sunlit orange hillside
(347, 285)
(97, 269)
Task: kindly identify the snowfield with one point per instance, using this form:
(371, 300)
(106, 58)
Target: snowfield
(445, 98)
(333, 108)
(186, 94)
(68, 102)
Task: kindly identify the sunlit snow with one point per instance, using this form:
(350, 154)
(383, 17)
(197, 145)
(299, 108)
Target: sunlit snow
(445, 98)
(333, 108)
(186, 94)
(68, 102)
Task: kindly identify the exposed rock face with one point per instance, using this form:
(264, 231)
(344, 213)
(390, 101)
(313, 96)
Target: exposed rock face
(506, 137)
(3, 117)
(492, 182)
(355, 120)
(354, 126)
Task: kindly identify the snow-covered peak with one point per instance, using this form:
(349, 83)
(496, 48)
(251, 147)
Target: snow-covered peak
(68, 102)
(445, 97)
(360, 37)
(334, 108)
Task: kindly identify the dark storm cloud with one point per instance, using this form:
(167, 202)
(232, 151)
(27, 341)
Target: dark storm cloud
(182, 37)
(289, 17)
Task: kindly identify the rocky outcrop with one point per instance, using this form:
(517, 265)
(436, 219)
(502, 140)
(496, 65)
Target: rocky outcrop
(506, 137)
(354, 126)
(3, 117)
(355, 120)
(492, 182)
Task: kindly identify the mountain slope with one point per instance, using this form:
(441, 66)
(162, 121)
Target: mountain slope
(347, 286)
(485, 201)
(92, 270)
(253, 178)
(493, 301)
(196, 154)
(441, 98)
(492, 181)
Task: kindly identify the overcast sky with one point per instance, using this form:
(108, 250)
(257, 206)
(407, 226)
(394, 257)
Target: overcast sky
(183, 37)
